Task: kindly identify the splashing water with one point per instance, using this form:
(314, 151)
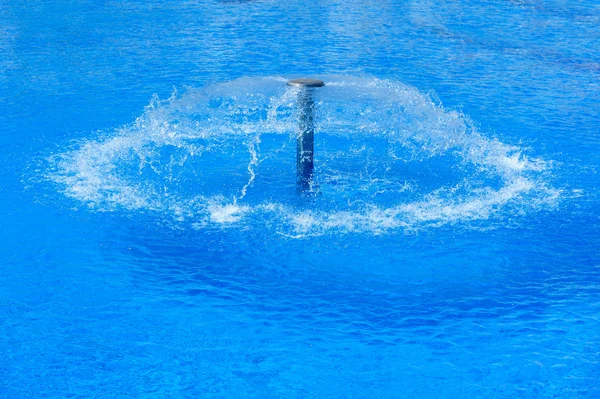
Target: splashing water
(387, 158)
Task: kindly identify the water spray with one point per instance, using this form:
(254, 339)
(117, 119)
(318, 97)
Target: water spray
(305, 149)
(393, 161)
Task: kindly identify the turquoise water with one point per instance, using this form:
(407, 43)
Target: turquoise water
(154, 244)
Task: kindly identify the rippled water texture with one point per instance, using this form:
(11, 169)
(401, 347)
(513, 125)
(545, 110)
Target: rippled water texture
(154, 244)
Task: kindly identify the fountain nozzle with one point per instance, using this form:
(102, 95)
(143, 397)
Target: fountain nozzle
(305, 147)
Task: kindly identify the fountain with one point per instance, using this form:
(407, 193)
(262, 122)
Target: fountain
(221, 156)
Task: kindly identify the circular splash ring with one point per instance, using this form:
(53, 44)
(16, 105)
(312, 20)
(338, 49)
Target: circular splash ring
(386, 158)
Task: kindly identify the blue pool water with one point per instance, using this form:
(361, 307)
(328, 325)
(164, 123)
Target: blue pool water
(153, 243)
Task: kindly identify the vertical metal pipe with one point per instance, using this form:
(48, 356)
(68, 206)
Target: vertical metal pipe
(305, 147)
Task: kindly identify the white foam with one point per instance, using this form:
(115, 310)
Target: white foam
(228, 213)
(140, 166)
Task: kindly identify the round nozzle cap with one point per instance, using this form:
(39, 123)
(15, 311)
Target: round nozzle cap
(305, 82)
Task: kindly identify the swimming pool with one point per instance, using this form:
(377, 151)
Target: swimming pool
(154, 243)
